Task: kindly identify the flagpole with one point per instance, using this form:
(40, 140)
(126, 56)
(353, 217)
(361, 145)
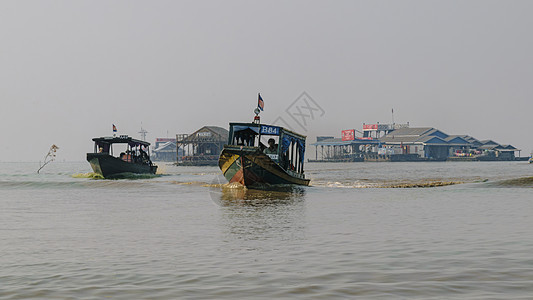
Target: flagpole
(258, 109)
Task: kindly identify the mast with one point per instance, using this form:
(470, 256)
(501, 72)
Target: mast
(143, 133)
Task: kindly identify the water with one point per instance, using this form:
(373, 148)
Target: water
(183, 235)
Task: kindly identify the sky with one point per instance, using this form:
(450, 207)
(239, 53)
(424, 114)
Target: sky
(71, 69)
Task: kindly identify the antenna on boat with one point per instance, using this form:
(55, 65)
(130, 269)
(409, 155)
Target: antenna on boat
(143, 133)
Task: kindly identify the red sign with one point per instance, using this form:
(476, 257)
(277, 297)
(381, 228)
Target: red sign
(370, 127)
(348, 135)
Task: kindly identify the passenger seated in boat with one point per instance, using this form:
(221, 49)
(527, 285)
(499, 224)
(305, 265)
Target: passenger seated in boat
(272, 147)
(126, 156)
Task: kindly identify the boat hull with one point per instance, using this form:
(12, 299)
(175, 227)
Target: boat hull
(252, 168)
(109, 166)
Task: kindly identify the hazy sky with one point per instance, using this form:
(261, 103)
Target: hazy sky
(70, 69)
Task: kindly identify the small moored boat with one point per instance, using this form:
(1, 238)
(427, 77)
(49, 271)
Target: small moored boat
(135, 159)
(246, 159)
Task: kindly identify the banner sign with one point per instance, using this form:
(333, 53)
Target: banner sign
(269, 130)
(379, 127)
(368, 127)
(348, 135)
(204, 133)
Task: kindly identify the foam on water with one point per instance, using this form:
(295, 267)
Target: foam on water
(524, 182)
(90, 175)
(161, 169)
(386, 184)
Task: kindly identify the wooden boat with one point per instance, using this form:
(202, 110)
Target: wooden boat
(135, 160)
(244, 160)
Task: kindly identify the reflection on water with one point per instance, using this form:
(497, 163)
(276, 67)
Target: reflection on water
(250, 214)
(231, 195)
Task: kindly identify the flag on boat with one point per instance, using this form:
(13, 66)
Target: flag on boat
(114, 128)
(260, 102)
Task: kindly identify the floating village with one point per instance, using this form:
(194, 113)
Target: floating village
(400, 142)
(373, 143)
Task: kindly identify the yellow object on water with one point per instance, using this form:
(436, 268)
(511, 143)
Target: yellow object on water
(90, 175)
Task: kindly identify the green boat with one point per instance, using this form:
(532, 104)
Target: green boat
(135, 160)
(246, 159)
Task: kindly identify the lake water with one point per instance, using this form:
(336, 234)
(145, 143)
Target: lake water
(355, 233)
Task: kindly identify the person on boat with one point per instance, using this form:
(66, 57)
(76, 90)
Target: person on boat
(144, 156)
(272, 147)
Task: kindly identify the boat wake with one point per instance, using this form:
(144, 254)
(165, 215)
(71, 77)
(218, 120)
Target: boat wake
(523, 182)
(194, 183)
(360, 184)
(220, 185)
(161, 169)
(65, 185)
(92, 175)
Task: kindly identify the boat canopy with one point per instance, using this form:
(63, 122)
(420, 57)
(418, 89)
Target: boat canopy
(244, 133)
(261, 129)
(123, 139)
(240, 128)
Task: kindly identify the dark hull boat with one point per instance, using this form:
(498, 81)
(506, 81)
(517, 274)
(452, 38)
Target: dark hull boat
(244, 159)
(109, 166)
(135, 160)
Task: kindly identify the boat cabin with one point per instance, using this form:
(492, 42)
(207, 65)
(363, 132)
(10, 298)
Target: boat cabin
(133, 150)
(283, 146)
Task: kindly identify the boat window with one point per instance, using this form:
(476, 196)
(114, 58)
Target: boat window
(101, 147)
(245, 137)
(118, 149)
(271, 151)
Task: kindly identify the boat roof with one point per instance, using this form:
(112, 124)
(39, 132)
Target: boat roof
(123, 139)
(286, 131)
